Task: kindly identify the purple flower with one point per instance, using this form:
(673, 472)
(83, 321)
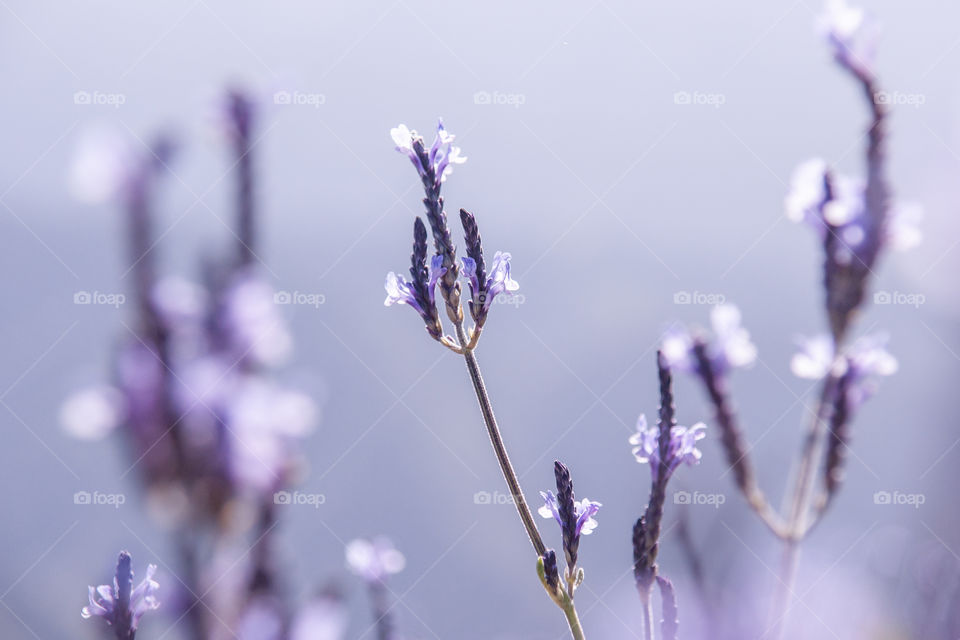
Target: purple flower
(864, 361)
(323, 618)
(498, 281)
(851, 33)
(400, 291)
(374, 560)
(121, 605)
(730, 348)
(585, 510)
(441, 156)
(682, 448)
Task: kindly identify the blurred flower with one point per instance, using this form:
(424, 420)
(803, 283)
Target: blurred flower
(864, 361)
(682, 448)
(807, 192)
(851, 33)
(374, 561)
(322, 618)
(266, 422)
(119, 604)
(814, 359)
(730, 348)
(261, 619)
(90, 414)
(103, 165)
(584, 510)
(254, 323)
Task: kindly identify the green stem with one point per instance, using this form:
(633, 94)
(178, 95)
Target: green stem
(573, 620)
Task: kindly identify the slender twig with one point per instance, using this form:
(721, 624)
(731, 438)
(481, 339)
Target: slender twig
(799, 508)
(496, 440)
(648, 617)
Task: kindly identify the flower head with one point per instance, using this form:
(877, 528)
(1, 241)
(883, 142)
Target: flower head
(863, 362)
(575, 518)
(120, 604)
(682, 447)
(730, 348)
(851, 33)
(498, 280)
(374, 560)
(584, 511)
(435, 163)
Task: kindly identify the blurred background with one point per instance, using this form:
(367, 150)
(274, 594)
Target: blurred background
(626, 154)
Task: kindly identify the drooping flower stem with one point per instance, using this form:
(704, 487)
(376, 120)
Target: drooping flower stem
(513, 483)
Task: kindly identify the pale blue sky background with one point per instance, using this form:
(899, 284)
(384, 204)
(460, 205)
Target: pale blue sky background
(611, 197)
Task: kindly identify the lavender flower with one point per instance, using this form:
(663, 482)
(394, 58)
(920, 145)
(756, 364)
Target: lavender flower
(120, 604)
(433, 166)
(730, 348)
(682, 447)
(863, 362)
(498, 281)
(575, 518)
(436, 164)
(374, 560)
(420, 292)
(664, 448)
(852, 35)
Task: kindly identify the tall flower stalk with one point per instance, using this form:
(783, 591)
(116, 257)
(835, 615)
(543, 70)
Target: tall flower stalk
(855, 223)
(486, 282)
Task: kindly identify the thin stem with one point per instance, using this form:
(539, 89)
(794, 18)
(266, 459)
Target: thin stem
(498, 447)
(648, 617)
(799, 508)
(570, 611)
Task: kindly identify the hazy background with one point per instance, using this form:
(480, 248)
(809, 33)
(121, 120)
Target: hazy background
(612, 198)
